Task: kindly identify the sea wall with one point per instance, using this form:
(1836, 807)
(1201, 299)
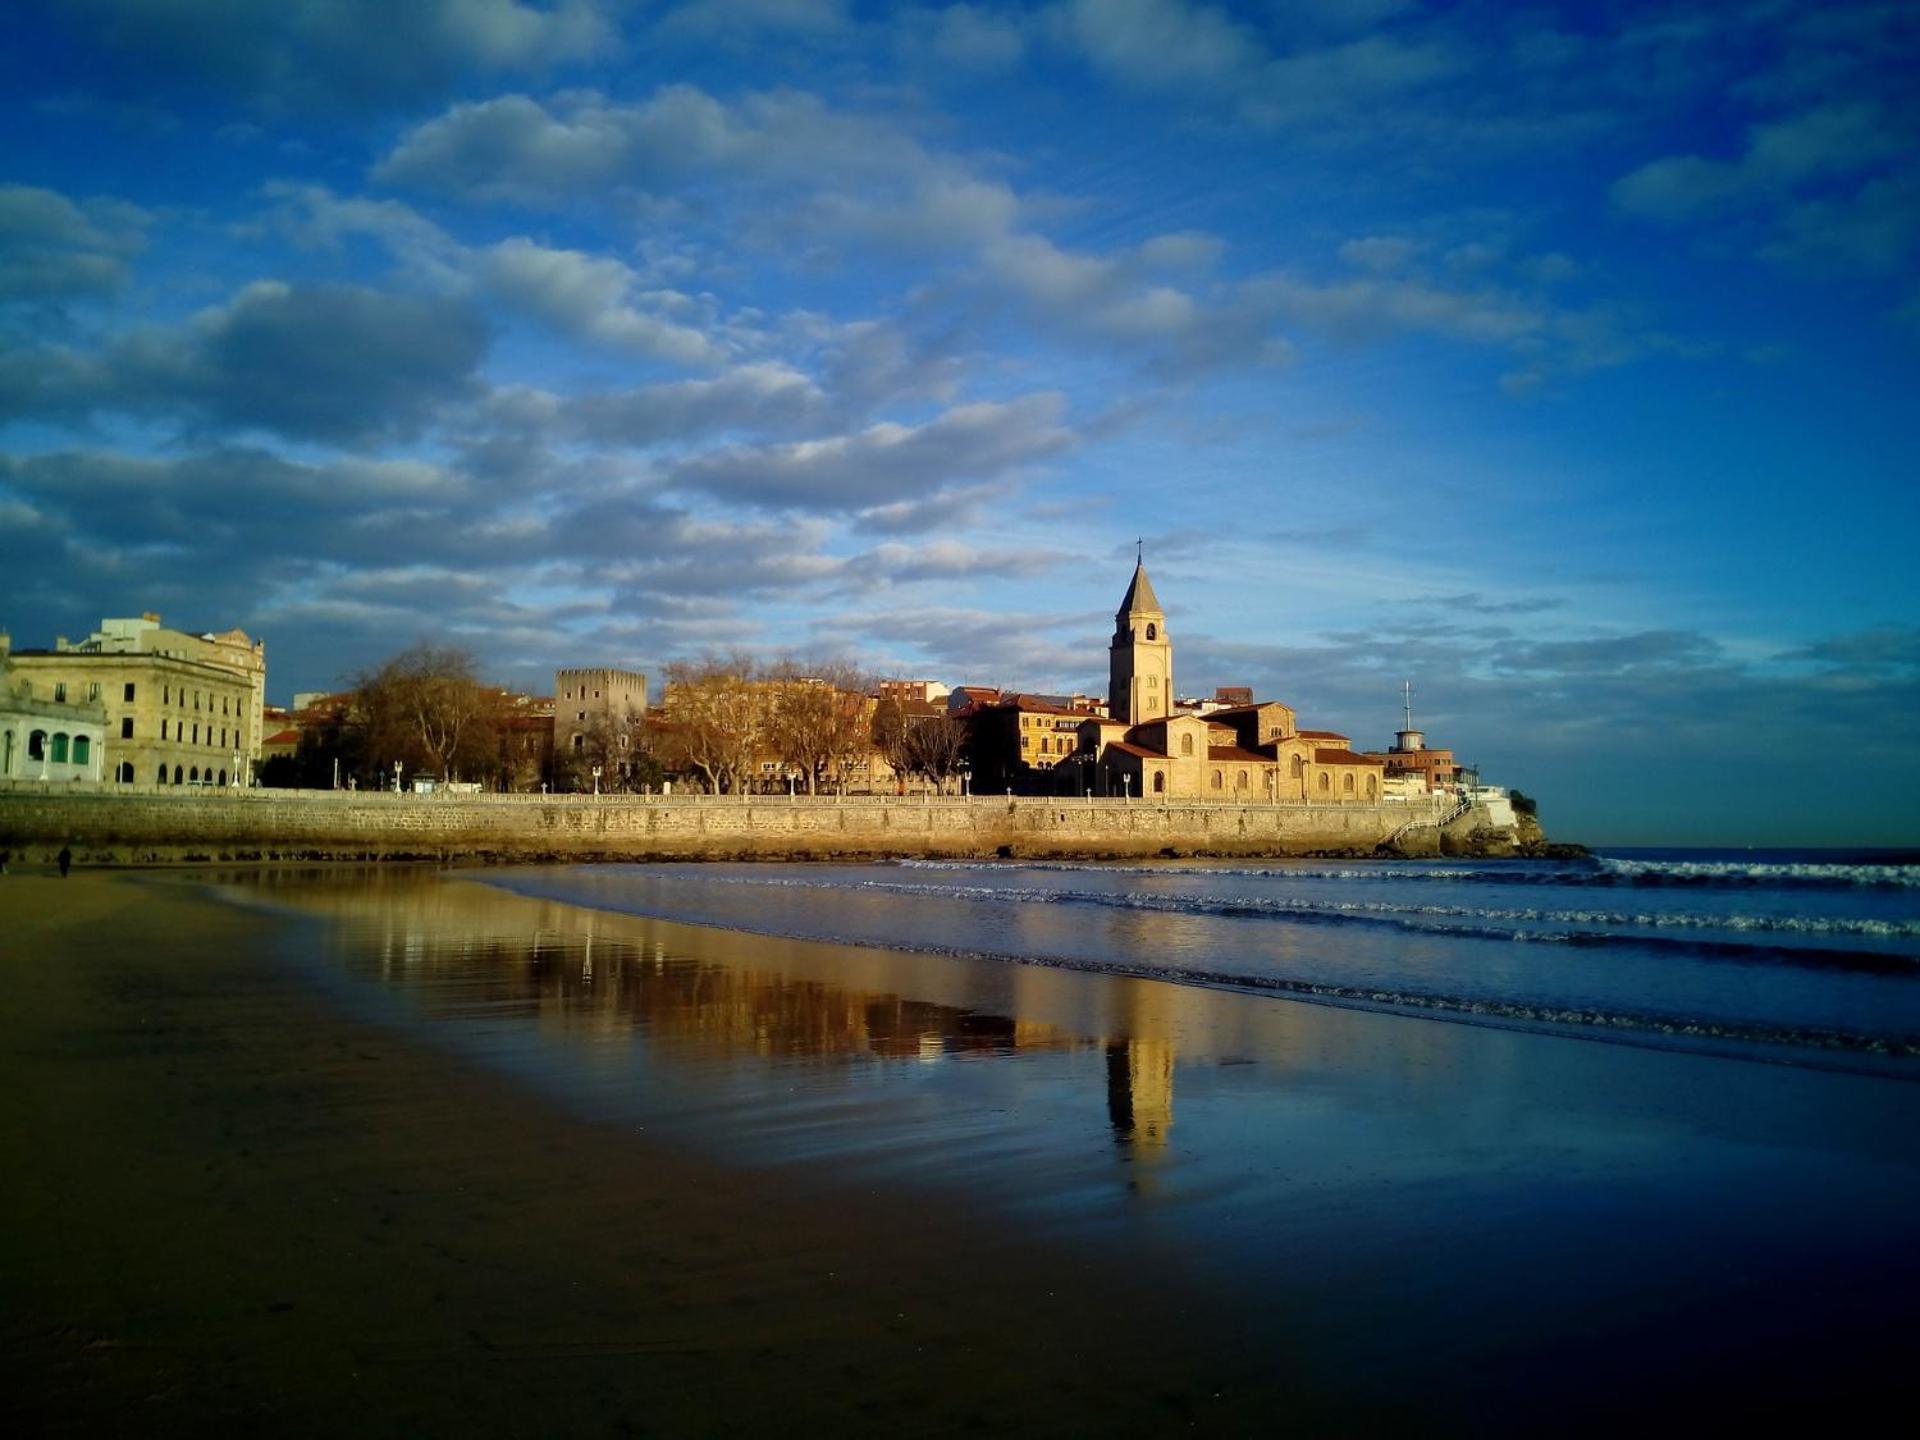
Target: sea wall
(109, 826)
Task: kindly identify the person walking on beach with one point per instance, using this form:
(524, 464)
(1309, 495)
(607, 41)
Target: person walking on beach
(65, 861)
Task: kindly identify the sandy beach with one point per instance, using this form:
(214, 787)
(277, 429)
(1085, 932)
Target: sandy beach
(323, 1153)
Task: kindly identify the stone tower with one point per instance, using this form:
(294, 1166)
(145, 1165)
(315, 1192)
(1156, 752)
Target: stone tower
(1140, 660)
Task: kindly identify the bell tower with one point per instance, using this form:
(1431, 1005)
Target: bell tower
(1140, 659)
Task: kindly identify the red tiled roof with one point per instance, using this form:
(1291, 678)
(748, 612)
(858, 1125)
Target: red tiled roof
(1322, 735)
(1246, 709)
(1341, 757)
(283, 737)
(1234, 752)
(1140, 750)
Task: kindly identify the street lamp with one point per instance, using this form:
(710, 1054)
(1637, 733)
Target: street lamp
(396, 777)
(596, 779)
(1126, 788)
(235, 772)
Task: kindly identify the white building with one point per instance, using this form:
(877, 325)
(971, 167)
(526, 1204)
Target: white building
(50, 736)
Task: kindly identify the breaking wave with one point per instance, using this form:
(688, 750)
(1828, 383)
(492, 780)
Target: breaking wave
(1580, 928)
(1599, 871)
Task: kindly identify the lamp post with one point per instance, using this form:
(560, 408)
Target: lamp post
(1126, 789)
(235, 772)
(396, 777)
(596, 780)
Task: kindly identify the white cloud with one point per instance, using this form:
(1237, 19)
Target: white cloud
(887, 462)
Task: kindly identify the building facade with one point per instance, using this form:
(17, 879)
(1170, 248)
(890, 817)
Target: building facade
(1245, 753)
(176, 709)
(1140, 657)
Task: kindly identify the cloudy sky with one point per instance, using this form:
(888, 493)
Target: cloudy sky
(1560, 359)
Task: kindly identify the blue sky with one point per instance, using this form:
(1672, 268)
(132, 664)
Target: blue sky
(1560, 359)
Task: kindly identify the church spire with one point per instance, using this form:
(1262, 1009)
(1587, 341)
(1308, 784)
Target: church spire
(1139, 597)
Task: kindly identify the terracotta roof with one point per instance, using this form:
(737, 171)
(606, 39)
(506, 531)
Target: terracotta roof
(1341, 757)
(1140, 750)
(1234, 752)
(283, 737)
(1322, 735)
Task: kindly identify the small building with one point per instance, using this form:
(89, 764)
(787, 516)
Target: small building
(1410, 755)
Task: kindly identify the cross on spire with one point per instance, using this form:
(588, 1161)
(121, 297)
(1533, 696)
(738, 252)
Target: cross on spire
(1140, 551)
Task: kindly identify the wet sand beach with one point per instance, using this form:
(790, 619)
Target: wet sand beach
(392, 1152)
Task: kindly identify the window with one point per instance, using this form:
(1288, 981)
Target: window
(1324, 787)
(1153, 631)
(59, 749)
(37, 745)
(93, 691)
(196, 734)
(1240, 781)
(1346, 785)
(126, 727)
(126, 691)
(1186, 744)
(223, 777)
(579, 743)
(176, 774)
(59, 692)
(82, 750)
(1373, 787)
(1159, 782)
(161, 779)
(193, 776)
(123, 772)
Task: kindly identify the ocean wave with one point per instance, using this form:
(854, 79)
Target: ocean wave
(1599, 871)
(1574, 928)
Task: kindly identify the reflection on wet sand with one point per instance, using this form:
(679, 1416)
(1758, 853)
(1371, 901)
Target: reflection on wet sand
(465, 950)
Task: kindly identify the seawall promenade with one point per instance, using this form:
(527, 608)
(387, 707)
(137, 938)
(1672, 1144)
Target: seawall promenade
(109, 825)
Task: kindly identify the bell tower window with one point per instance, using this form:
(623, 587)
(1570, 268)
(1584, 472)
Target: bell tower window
(1153, 631)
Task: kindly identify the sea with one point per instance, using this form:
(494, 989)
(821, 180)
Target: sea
(1802, 956)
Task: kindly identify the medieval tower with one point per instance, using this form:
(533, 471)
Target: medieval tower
(1140, 660)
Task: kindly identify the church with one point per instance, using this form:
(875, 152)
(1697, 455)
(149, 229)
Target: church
(1247, 753)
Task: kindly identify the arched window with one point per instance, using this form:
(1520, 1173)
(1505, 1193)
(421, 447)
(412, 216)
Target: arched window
(193, 776)
(1240, 781)
(59, 748)
(1216, 779)
(176, 774)
(1346, 785)
(1153, 631)
(1373, 787)
(1159, 782)
(124, 772)
(1299, 767)
(6, 752)
(1186, 744)
(82, 750)
(223, 777)
(37, 745)
(161, 779)
(1323, 784)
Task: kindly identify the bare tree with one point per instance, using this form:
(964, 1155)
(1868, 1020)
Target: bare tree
(818, 718)
(425, 709)
(716, 720)
(936, 747)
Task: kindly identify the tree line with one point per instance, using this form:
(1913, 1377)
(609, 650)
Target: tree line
(727, 724)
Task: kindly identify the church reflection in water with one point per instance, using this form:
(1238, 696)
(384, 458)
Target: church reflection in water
(463, 950)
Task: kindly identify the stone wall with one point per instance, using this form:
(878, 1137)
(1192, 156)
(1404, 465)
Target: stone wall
(106, 826)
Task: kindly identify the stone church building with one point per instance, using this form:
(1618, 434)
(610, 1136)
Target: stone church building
(1249, 753)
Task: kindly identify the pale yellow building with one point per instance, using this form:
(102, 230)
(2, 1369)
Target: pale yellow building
(178, 708)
